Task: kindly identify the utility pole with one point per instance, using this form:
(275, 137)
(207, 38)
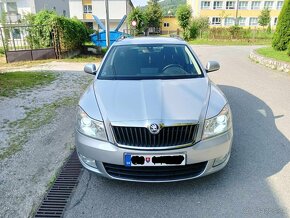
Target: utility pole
(237, 12)
(107, 24)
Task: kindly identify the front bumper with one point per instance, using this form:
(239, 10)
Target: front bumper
(209, 151)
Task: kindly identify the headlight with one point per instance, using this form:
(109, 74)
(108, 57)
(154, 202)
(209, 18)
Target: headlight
(218, 124)
(90, 127)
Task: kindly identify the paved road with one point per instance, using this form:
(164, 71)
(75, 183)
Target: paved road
(256, 182)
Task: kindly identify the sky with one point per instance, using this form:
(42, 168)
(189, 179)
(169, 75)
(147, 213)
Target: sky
(139, 2)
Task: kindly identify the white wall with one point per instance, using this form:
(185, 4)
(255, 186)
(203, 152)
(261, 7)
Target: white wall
(117, 9)
(76, 8)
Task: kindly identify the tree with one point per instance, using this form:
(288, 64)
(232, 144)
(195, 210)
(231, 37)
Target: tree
(282, 34)
(264, 18)
(153, 13)
(138, 15)
(183, 15)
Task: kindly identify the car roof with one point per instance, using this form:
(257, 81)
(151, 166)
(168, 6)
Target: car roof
(149, 40)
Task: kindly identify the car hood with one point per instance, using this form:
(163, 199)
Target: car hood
(135, 100)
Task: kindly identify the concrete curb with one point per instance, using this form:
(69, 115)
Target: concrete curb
(269, 62)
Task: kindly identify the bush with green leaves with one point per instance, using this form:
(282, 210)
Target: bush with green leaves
(202, 24)
(1, 50)
(235, 31)
(71, 32)
(193, 29)
(281, 39)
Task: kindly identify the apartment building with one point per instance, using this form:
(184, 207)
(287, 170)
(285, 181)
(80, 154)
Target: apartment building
(16, 9)
(85, 9)
(228, 12)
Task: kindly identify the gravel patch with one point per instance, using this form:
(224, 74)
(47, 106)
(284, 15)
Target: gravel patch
(44, 143)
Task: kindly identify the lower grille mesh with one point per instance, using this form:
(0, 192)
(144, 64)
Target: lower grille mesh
(155, 173)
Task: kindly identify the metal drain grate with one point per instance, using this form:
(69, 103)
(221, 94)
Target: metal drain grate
(55, 201)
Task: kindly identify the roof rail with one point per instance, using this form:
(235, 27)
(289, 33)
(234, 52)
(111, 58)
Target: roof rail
(176, 36)
(124, 36)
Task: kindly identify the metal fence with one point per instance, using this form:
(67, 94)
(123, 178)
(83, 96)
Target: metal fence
(24, 43)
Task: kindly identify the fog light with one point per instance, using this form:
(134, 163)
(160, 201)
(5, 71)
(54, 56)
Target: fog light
(220, 160)
(88, 161)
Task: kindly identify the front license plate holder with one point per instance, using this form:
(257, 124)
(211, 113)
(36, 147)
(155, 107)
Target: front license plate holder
(145, 160)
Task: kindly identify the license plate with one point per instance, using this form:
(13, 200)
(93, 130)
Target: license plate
(132, 160)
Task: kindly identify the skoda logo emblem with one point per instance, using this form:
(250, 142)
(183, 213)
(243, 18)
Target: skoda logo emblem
(154, 128)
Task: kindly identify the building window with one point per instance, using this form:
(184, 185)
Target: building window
(243, 5)
(205, 5)
(242, 21)
(230, 5)
(216, 21)
(217, 5)
(11, 7)
(268, 4)
(64, 13)
(275, 21)
(229, 21)
(253, 21)
(255, 5)
(88, 9)
(279, 5)
(16, 34)
(166, 24)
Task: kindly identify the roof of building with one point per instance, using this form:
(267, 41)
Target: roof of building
(150, 40)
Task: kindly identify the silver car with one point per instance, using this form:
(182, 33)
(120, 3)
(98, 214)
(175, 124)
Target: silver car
(152, 114)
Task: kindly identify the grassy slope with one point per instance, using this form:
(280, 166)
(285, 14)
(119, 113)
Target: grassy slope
(271, 53)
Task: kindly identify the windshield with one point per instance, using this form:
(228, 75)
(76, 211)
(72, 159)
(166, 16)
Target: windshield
(150, 62)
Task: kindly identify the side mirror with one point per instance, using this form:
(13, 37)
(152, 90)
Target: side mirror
(212, 66)
(91, 69)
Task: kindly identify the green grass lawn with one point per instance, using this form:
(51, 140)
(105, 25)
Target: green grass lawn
(83, 59)
(269, 52)
(201, 41)
(13, 82)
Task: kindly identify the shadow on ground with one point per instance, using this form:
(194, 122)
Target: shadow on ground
(240, 190)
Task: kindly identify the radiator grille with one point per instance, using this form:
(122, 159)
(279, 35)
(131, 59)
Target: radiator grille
(167, 137)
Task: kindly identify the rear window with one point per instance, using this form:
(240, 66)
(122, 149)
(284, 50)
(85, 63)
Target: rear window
(150, 62)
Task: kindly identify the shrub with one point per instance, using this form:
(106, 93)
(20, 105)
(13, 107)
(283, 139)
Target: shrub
(282, 34)
(202, 24)
(193, 30)
(72, 33)
(235, 31)
(1, 51)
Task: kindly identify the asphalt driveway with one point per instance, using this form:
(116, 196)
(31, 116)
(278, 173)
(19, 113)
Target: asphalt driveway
(256, 182)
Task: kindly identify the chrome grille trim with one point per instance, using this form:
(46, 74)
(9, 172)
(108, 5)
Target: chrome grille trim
(169, 137)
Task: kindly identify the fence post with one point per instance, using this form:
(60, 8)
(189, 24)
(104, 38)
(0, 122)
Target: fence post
(3, 42)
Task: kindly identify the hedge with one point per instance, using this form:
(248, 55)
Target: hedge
(71, 32)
